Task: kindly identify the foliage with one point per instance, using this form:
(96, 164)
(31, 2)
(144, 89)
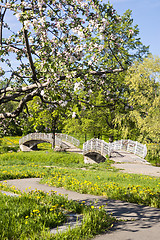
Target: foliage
(44, 117)
(144, 97)
(153, 153)
(59, 44)
(98, 117)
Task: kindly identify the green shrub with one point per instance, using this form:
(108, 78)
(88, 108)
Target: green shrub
(153, 154)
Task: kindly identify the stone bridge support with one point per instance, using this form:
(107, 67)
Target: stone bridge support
(93, 157)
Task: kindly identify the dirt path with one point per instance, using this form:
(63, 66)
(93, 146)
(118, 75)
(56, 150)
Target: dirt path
(139, 222)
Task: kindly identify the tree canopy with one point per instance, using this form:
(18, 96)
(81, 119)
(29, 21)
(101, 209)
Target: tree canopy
(143, 80)
(59, 45)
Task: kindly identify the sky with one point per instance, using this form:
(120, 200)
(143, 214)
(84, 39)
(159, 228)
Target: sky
(145, 14)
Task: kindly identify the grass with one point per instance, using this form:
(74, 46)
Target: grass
(127, 187)
(32, 215)
(9, 144)
(22, 171)
(42, 158)
(101, 181)
(69, 171)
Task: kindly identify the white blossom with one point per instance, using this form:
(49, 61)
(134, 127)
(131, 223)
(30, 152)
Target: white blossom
(73, 115)
(81, 34)
(18, 15)
(102, 37)
(42, 92)
(78, 86)
(89, 62)
(26, 24)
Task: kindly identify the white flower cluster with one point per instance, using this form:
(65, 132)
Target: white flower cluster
(78, 86)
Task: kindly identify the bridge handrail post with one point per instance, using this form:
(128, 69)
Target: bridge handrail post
(128, 145)
(135, 150)
(102, 147)
(121, 144)
(91, 144)
(144, 151)
(110, 148)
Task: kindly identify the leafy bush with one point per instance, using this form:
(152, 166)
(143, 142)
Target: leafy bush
(153, 153)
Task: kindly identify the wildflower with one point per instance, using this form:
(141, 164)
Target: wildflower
(35, 210)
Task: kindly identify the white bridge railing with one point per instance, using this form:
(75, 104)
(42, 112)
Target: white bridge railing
(131, 146)
(48, 137)
(36, 136)
(96, 145)
(104, 148)
(67, 138)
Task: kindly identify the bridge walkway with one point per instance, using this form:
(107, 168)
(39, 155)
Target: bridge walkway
(72, 148)
(120, 156)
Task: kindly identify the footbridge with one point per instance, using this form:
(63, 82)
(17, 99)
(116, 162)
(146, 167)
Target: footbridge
(95, 150)
(30, 141)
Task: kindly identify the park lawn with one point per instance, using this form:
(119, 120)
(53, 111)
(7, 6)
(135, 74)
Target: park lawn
(43, 158)
(68, 170)
(65, 170)
(32, 215)
(114, 185)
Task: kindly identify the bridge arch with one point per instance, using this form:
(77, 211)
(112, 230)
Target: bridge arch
(95, 150)
(30, 141)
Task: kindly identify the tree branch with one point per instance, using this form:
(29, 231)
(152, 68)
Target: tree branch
(22, 103)
(34, 76)
(24, 89)
(1, 24)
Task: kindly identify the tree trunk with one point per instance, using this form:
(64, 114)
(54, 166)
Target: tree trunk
(54, 123)
(85, 137)
(54, 139)
(111, 138)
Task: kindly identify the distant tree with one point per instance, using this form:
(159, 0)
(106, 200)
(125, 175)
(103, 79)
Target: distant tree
(144, 98)
(97, 113)
(44, 117)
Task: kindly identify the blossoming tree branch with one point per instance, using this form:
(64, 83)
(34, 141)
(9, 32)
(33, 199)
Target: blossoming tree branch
(57, 45)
